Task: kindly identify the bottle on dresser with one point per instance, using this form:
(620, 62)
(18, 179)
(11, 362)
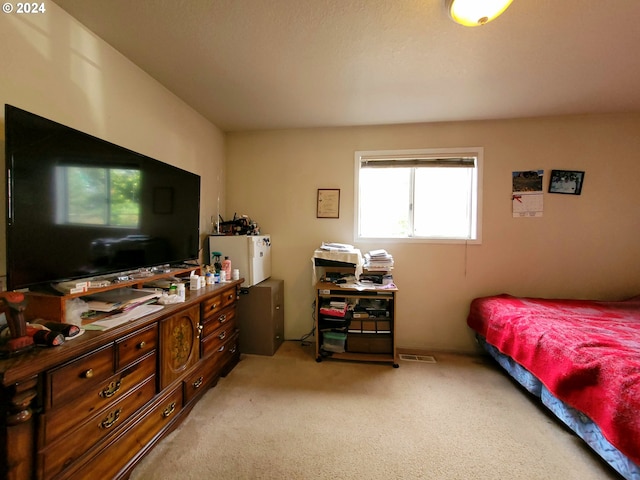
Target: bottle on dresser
(226, 266)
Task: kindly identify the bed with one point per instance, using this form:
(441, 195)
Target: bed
(580, 357)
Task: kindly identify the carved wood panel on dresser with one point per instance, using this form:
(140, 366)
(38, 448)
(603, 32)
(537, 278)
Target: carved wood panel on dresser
(96, 405)
(179, 337)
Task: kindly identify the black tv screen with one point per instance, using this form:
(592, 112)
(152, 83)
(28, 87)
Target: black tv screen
(78, 206)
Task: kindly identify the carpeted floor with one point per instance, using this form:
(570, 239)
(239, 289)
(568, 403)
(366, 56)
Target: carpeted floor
(288, 417)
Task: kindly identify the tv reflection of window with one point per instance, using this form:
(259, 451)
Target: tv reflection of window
(98, 196)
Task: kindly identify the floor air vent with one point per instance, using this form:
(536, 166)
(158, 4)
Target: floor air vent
(417, 358)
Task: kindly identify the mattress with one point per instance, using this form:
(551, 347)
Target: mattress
(584, 354)
(577, 421)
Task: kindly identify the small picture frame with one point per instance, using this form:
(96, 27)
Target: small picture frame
(568, 182)
(328, 203)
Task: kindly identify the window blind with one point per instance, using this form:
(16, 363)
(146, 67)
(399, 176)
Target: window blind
(417, 162)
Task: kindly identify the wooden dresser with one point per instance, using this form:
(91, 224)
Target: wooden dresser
(94, 406)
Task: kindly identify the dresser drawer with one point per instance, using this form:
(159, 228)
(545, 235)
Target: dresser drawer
(224, 351)
(135, 346)
(229, 357)
(199, 381)
(214, 322)
(216, 339)
(61, 420)
(73, 379)
(211, 306)
(118, 455)
(228, 297)
(216, 303)
(68, 449)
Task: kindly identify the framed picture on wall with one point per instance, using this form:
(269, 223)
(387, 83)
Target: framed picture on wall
(568, 182)
(328, 203)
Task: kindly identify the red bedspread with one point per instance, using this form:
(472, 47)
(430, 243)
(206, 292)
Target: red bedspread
(587, 353)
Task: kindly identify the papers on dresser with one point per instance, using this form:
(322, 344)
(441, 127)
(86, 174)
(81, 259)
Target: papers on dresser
(120, 318)
(120, 299)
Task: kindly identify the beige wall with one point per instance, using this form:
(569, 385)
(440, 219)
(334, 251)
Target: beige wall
(54, 67)
(583, 246)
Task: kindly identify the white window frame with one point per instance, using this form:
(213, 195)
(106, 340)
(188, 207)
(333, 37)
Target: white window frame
(434, 153)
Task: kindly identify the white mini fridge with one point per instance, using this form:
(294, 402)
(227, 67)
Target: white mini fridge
(251, 254)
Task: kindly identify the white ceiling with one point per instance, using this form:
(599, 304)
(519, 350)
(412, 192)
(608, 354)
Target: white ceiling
(265, 64)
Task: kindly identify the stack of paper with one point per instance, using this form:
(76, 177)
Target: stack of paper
(378, 260)
(337, 247)
(121, 299)
(120, 318)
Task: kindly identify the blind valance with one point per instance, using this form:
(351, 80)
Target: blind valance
(417, 162)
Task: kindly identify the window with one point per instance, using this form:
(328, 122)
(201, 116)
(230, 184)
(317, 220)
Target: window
(430, 195)
(97, 196)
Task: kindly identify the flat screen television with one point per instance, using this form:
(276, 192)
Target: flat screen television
(80, 207)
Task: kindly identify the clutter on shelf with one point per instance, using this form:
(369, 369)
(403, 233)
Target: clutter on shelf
(332, 256)
(378, 261)
(338, 247)
(377, 267)
(343, 264)
(242, 225)
(355, 304)
(334, 308)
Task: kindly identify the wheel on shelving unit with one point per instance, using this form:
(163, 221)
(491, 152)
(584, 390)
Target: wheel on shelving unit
(395, 365)
(318, 359)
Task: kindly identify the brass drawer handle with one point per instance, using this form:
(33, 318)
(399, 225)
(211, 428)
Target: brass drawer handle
(198, 382)
(111, 389)
(141, 345)
(230, 297)
(111, 419)
(233, 350)
(221, 349)
(213, 306)
(169, 410)
(222, 335)
(88, 373)
(222, 318)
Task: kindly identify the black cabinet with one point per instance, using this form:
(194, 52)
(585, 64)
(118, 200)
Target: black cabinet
(261, 317)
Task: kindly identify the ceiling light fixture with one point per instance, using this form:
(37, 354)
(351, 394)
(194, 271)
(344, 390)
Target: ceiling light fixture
(472, 13)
